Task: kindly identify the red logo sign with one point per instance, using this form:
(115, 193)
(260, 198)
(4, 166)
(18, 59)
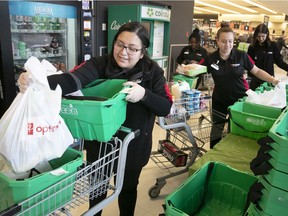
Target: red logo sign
(30, 128)
(42, 129)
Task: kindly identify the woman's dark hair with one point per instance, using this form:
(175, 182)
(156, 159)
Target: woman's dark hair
(138, 29)
(224, 29)
(261, 28)
(195, 34)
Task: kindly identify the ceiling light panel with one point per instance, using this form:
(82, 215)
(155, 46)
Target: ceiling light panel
(217, 7)
(206, 10)
(238, 6)
(260, 6)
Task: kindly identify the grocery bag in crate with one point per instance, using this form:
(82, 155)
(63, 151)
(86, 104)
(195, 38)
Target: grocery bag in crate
(42, 193)
(32, 130)
(99, 113)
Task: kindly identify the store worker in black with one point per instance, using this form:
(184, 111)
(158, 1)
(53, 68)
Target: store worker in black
(280, 42)
(147, 98)
(265, 53)
(193, 53)
(227, 66)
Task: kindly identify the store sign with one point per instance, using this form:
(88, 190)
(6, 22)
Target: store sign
(155, 13)
(115, 25)
(42, 9)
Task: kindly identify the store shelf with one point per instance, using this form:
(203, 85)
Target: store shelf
(48, 55)
(29, 31)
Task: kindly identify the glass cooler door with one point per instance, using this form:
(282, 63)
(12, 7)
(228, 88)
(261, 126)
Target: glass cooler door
(44, 30)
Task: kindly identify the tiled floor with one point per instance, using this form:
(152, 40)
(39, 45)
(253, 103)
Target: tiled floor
(145, 205)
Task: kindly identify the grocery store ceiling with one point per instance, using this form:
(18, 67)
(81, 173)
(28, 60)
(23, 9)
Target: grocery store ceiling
(234, 7)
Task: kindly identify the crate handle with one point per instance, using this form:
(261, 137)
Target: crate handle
(95, 98)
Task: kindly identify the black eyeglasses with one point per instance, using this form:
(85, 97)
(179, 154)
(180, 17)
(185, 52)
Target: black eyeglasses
(130, 50)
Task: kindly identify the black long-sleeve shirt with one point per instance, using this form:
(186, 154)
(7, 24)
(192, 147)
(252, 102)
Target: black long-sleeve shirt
(187, 54)
(140, 115)
(264, 57)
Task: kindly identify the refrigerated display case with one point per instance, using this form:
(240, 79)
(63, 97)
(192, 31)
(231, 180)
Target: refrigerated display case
(46, 30)
(43, 30)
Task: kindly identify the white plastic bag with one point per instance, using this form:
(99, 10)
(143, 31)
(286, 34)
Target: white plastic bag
(274, 98)
(32, 131)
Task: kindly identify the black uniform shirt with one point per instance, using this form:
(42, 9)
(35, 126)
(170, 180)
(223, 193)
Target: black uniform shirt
(265, 57)
(187, 54)
(228, 75)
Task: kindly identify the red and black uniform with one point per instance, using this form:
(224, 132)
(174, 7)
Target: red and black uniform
(188, 54)
(229, 80)
(264, 57)
(140, 115)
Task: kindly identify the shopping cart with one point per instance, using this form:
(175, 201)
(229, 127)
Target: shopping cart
(188, 132)
(92, 180)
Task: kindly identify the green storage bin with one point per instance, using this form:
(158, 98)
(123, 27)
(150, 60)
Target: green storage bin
(278, 166)
(94, 119)
(279, 153)
(21, 190)
(277, 178)
(279, 131)
(254, 211)
(192, 81)
(273, 201)
(252, 120)
(226, 193)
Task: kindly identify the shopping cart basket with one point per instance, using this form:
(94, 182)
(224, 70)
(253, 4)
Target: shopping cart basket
(92, 180)
(187, 131)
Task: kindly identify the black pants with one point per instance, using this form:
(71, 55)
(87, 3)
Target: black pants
(219, 113)
(128, 195)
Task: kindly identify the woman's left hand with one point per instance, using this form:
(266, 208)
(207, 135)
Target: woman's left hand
(134, 91)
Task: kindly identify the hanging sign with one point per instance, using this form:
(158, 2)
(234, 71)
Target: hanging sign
(155, 13)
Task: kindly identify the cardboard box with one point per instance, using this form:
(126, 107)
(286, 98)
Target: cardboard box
(172, 153)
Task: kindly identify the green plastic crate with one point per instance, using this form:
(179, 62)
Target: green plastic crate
(254, 211)
(94, 119)
(191, 70)
(278, 166)
(279, 130)
(21, 190)
(192, 81)
(227, 190)
(273, 200)
(279, 154)
(252, 120)
(277, 178)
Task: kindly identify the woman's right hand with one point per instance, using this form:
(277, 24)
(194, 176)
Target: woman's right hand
(24, 81)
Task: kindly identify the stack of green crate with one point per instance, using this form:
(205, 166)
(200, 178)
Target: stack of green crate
(274, 192)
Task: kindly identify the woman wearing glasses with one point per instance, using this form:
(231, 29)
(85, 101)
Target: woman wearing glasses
(265, 53)
(148, 96)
